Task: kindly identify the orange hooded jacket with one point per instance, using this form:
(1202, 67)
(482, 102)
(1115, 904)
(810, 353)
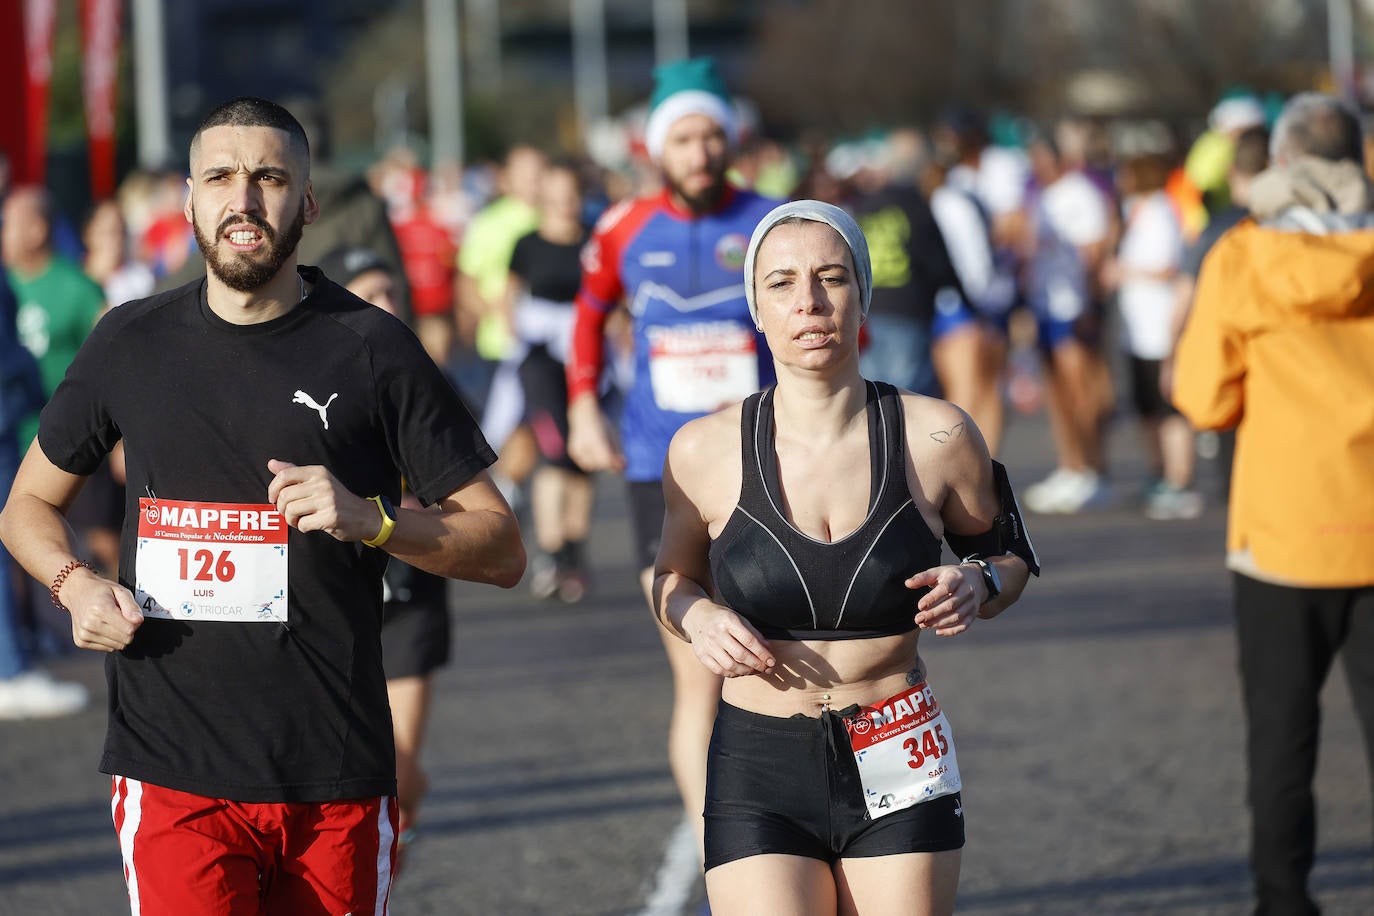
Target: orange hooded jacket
(1280, 345)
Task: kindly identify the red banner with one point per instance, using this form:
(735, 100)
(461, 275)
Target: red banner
(100, 71)
(13, 127)
(39, 19)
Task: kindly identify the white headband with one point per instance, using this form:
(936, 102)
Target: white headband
(817, 212)
(679, 105)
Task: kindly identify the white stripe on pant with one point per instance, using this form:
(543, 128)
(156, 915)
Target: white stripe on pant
(385, 839)
(133, 800)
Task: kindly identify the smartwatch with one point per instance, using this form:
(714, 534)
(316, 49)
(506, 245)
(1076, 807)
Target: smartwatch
(388, 521)
(991, 580)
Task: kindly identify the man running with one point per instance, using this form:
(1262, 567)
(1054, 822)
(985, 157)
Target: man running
(676, 259)
(268, 418)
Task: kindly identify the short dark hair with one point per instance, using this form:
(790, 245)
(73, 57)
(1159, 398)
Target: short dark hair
(1252, 152)
(250, 111)
(1315, 124)
(571, 165)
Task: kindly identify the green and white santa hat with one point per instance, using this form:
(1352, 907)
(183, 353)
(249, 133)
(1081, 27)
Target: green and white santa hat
(682, 88)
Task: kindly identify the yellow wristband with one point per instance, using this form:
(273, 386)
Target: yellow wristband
(388, 521)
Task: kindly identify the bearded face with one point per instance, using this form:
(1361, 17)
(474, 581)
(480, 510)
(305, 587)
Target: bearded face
(250, 200)
(246, 271)
(694, 160)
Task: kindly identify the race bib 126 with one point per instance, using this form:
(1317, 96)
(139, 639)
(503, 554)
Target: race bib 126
(219, 562)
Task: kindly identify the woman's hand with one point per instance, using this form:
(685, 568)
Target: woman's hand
(956, 593)
(725, 642)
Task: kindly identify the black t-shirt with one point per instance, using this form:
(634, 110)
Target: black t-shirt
(548, 269)
(292, 710)
(911, 264)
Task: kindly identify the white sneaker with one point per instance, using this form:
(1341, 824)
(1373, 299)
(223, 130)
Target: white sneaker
(543, 577)
(1170, 502)
(1045, 495)
(1065, 492)
(35, 694)
(1086, 490)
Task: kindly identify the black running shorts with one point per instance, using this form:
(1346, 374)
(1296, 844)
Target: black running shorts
(791, 787)
(416, 631)
(1146, 397)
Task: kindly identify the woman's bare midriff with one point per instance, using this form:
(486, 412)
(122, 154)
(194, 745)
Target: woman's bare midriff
(813, 675)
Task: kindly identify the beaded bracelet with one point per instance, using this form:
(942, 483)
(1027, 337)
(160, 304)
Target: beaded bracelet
(61, 580)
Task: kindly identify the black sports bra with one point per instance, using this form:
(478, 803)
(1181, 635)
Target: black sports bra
(792, 586)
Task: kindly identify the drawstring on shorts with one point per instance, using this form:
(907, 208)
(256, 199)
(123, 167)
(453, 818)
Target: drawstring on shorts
(830, 718)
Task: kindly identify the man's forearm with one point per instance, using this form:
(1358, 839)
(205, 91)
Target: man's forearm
(37, 534)
(479, 545)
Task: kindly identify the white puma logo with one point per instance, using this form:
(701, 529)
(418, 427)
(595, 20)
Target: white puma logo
(302, 398)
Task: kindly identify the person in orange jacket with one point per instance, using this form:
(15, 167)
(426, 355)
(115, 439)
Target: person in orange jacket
(1280, 345)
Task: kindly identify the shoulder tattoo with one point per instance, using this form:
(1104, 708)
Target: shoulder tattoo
(945, 435)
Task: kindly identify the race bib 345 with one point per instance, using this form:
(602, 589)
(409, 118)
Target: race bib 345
(905, 751)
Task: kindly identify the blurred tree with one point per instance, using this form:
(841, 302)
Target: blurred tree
(844, 67)
(66, 116)
(1182, 55)
(389, 53)
(68, 173)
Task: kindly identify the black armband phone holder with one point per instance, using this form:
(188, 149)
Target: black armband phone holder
(1008, 531)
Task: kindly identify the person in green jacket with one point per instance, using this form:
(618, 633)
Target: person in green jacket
(58, 303)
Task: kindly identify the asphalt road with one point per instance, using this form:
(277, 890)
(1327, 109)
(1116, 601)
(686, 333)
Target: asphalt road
(1098, 722)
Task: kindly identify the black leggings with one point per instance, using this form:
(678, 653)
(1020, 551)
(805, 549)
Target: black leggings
(791, 786)
(1289, 638)
(546, 406)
